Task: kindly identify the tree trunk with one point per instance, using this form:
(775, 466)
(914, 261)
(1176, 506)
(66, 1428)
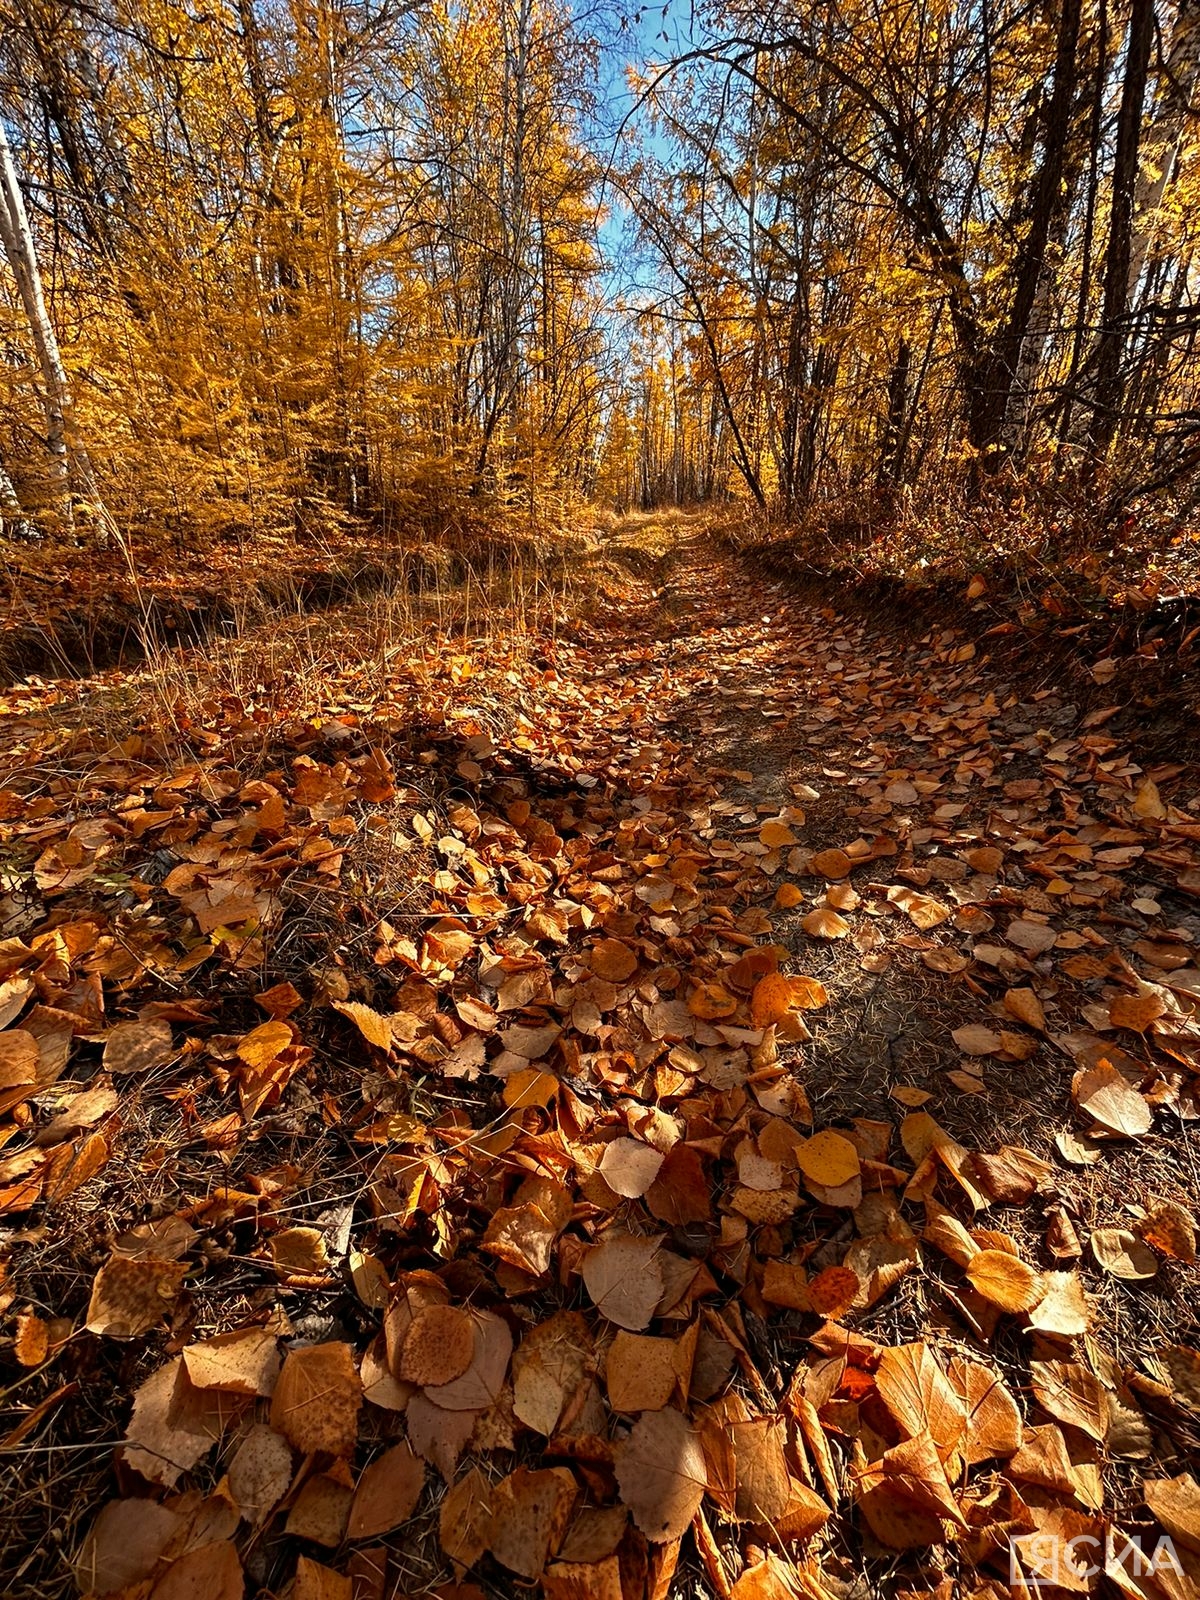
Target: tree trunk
(13, 521)
(17, 240)
(61, 445)
(1111, 346)
(998, 369)
(1162, 141)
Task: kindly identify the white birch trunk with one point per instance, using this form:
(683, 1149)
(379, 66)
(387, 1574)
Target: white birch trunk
(17, 239)
(61, 444)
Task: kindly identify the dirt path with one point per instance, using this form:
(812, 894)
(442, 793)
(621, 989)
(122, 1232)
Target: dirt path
(694, 1049)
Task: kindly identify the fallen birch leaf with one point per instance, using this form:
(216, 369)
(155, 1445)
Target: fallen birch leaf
(624, 1279)
(387, 1493)
(1004, 1280)
(661, 1474)
(1122, 1254)
(317, 1398)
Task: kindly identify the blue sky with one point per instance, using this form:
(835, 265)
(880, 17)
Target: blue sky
(653, 33)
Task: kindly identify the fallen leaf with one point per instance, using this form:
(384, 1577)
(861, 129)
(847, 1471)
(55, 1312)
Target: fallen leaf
(641, 1373)
(1111, 1100)
(137, 1047)
(213, 1571)
(529, 1516)
(387, 1493)
(480, 1384)
(1004, 1280)
(317, 1398)
(129, 1297)
(613, 961)
(123, 1545)
(1175, 1502)
(624, 1279)
(824, 923)
(1168, 1228)
(661, 1474)
(1122, 1254)
(630, 1167)
(245, 1361)
(260, 1473)
(1072, 1394)
(438, 1347)
(828, 1159)
(993, 1421)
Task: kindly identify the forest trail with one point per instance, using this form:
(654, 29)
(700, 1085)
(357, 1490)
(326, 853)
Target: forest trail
(700, 1104)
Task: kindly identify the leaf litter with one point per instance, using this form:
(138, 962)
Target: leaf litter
(466, 1131)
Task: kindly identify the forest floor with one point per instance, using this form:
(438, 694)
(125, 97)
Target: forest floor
(679, 1089)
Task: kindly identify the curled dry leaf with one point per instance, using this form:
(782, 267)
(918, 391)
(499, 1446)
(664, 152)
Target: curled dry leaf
(661, 1474)
(905, 1498)
(1108, 1097)
(523, 1236)
(1168, 1228)
(1122, 1254)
